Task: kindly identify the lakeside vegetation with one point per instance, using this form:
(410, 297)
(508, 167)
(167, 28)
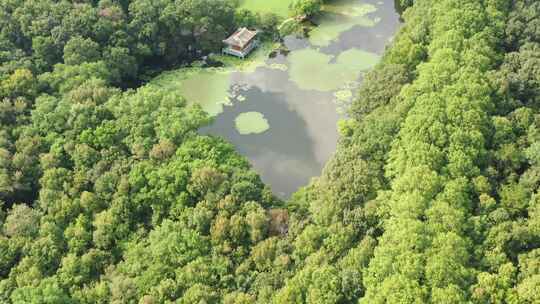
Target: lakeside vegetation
(432, 196)
(110, 195)
(192, 81)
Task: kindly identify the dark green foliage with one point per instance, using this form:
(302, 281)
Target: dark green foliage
(523, 24)
(125, 36)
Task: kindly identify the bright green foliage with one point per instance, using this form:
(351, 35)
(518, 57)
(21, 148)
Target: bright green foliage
(306, 7)
(78, 50)
(127, 181)
(446, 126)
(125, 35)
(96, 180)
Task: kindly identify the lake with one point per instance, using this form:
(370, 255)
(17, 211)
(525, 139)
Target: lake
(281, 112)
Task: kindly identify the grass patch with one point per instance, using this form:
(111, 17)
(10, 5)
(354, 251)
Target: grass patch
(278, 7)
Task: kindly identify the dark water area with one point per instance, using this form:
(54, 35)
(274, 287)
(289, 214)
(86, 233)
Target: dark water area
(296, 94)
(290, 151)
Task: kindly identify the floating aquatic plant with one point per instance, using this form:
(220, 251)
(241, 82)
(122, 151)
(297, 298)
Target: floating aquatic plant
(311, 69)
(341, 16)
(251, 123)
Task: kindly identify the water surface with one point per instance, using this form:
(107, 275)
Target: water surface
(282, 112)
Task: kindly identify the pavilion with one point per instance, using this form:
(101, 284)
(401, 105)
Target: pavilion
(241, 43)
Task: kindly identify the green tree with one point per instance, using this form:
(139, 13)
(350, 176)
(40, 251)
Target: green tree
(79, 50)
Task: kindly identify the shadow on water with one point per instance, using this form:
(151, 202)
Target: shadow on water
(285, 152)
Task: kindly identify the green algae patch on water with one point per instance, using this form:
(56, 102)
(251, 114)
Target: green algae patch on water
(350, 8)
(278, 7)
(313, 70)
(208, 87)
(251, 123)
(339, 17)
(358, 59)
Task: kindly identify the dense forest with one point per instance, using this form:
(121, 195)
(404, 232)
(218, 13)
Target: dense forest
(108, 194)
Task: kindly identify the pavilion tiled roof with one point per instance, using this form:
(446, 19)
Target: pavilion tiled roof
(241, 37)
